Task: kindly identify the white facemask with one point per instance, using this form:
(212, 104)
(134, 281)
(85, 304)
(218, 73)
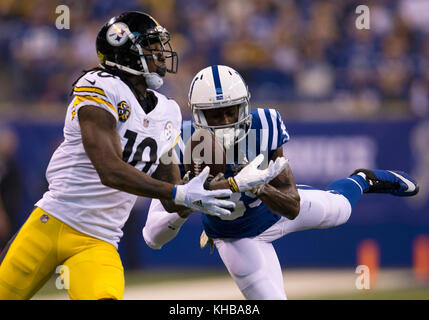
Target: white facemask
(226, 137)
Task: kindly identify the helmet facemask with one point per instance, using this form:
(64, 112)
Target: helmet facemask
(154, 36)
(228, 134)
(143, 50)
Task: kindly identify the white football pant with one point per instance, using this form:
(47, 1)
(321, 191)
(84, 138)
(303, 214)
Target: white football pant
(253, 262)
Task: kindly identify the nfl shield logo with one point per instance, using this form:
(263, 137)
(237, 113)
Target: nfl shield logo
(146, 123)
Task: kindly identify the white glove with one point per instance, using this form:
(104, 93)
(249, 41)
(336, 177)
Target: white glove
(194, 196)
(251, 176)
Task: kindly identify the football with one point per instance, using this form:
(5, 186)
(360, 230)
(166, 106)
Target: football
(203, 149)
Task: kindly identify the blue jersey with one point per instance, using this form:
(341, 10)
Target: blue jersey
(250, 217)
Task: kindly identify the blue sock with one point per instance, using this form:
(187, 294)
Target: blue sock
(361, 181)
(348, 188)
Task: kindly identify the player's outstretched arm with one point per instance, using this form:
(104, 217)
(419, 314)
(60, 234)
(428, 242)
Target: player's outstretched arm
(281, 195)
(161, 227)
(102, 145)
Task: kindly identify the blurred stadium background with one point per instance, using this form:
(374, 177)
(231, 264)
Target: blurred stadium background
(350, 98)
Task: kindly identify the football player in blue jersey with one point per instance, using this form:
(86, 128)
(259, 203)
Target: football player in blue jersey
(219, 99)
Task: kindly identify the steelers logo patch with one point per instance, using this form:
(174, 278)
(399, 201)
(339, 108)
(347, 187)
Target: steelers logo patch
(123, 111)
(116, 34)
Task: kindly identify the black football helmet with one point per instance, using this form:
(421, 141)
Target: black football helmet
(120, 44)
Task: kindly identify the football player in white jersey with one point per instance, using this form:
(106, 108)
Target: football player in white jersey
(118, 136)
(219, 99)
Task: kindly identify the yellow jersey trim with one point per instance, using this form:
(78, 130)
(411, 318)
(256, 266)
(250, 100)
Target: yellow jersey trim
(80, 99)
(90, 89)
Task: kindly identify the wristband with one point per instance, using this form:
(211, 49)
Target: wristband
(173, 195)
(233, 185)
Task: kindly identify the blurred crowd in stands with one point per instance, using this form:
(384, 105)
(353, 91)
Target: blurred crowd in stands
(305, 57)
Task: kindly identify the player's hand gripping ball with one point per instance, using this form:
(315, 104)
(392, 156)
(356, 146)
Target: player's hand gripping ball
(203, 149)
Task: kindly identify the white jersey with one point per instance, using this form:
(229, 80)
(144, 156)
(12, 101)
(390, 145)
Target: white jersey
(76, 195)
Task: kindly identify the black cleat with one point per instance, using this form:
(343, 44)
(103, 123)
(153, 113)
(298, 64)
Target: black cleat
(397, 183)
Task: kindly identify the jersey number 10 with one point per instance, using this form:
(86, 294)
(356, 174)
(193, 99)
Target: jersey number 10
(147, 142)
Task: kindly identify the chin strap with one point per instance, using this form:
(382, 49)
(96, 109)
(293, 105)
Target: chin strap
(153, 80)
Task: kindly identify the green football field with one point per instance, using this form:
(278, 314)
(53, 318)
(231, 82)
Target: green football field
(311, 284)
(398, 294)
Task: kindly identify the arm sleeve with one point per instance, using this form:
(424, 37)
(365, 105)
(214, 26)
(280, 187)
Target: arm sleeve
(161, 226)
(271, 132)
(282, 133)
